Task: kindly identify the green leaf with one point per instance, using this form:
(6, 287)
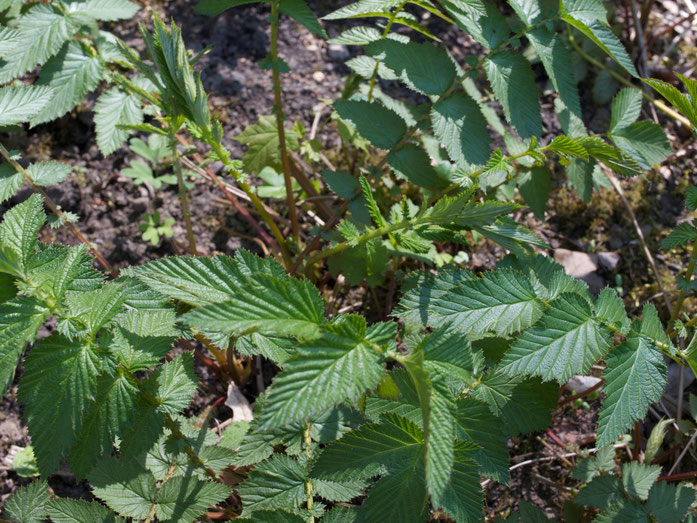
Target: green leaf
(24, 463)
(49, 173)
(10, 182)
(19, 229)
(375, 448)
(585, 9)
(624, 510)
(476, 424)
(425, 68)
(361, 8)
(568, 341)
(28, 504)
(669, 503)
(98, 307)
(601, 34)
(43, 31)
(682, 235)
(513, 83)
(460, 126)
(626, 107)
(684, 104)
(555, 56)
(341, 364)
(281, 516)
(20, 104)
(644, 141)
(359, 35)
(20, 320)
(610, 308)
(592, 466)
(113, 108)
(601, 492)
(635, 377)
(125, 486)
(462, 499)
(413, 164)
(66, 510)
(535, 186)
(185, 499)
(482, 20)
(525, 406)
(613, 158)
(276, 483)
(502, 302)
(215, 7)
(565, 146)
(638, 479)
(58, 382)
(691, 198)
(70, 75)
(382, 127)
(268, 305)
(264, 145)
(173, 385)
(301, 13)
(653, 444)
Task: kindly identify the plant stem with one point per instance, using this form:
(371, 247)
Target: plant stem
(341, 247)
(621, 79)
(55, 209)
(390, 21)
(688, 276)
(224, 157)
(183, 193)
(278, 109)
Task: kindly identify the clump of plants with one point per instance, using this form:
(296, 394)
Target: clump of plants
(396, 418)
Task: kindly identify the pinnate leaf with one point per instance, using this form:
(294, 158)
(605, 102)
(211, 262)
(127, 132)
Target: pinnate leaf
(276, 483)
(28, 504)
(460, 126)
(20, 104)
(10, 182)
(106, 10)
(113, 108)
(382, 127)
(67, 510)
(682, 235)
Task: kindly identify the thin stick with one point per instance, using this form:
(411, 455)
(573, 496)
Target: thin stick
(278, 109)
(55, 209)
(682, 454)
(183, 193)
(581, 394)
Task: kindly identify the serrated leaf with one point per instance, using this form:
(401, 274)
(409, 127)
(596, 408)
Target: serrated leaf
(638, 479)
(215, 7)
(513, 83)
(382, 127)
(460, 126)
(10, 182)
(413, 164)
(624, 510)
(635, 376)
(361, 8)
(482, 20)
(173, 384)
(653, 444)
(66, 510)
(524, 406)
(476, 424)
(610, 308)
(592, 466)
(601, 34)
(501, 301)
(462, 499)
(601, 492)
(268, 305)
(585, 9)
(691, 198)
(644, 141)
(669, 503)
(106, 10)
(43, 31)
(359, 35)
(185, 499)
(626, 107)
(19, 229)
(375, 448)
(277, 350)
(568, 341)
(70, 75)
(49, 173)
(113, 108)
(264, 145)
(98, 307)
(682, 235)
(566, 146)
(28, 504)
(555, 56)
(20, 320)
(58, 382)
(125, 486)
(616, 160)
(339, 365)
(301, 13)
(425, 68)
(276, 483)
(684, 104)
(535, 186)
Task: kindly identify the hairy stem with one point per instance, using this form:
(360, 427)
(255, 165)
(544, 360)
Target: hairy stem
(621, 79)
(55, 209)
(278, 109)
(183, 193)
